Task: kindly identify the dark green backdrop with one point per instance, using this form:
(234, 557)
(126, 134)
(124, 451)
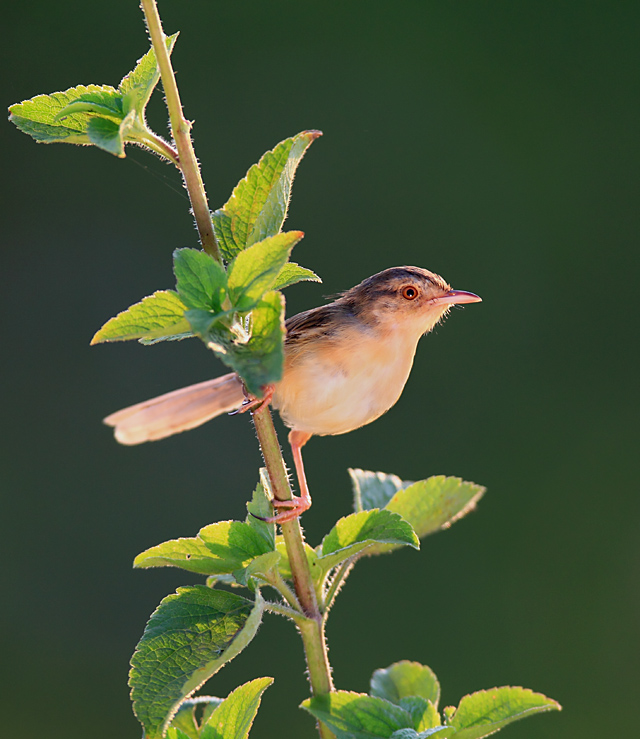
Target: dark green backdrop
(493, 142)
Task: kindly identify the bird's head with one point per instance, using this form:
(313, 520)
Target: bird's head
(405, 298)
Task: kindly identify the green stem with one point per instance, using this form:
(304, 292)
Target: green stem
(337, 582)
(311, 627)
(181, 130)
(160, 146)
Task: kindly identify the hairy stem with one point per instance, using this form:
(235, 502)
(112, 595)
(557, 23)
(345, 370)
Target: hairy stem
(181, 130)
(160, 146)
(311, 627)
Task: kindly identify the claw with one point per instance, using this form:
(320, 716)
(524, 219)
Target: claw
(254, 404)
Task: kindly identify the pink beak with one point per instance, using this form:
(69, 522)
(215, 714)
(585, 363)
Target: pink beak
(455, 297)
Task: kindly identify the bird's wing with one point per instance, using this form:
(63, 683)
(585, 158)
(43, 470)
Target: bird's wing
(177, 411)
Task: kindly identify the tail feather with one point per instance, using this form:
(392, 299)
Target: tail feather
(177, 411)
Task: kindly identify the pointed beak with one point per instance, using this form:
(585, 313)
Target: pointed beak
(455, 297)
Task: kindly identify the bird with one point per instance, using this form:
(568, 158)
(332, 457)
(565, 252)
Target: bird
(345, 364)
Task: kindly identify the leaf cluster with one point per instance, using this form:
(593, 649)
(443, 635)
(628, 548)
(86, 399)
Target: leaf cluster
(403, 704)
(236, 308)
(196, 630)
(98, 115)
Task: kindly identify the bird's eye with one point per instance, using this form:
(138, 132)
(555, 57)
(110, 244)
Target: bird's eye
(409, 292)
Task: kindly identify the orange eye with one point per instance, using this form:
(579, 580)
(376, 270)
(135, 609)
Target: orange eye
(409, 292)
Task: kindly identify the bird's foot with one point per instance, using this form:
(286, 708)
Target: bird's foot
(293, 508)
(254, 404)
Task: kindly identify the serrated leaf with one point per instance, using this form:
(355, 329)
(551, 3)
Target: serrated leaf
(201, 281)
(487, 711)
(105, 102)
(189, 637)
(373, 489)
(189, 554)
(141, 81)
(38, 117)
(258, 205)
(110, 135)
(357, 716)
(93, 114)
(354, 533)
(202, 322)
(422, 711)
(233, 718)
(233, 544)
(255, 270)
(259, 361)
(185, 721)
(403, 679)
(260, 507)
(157, 316)
(257, 572)
(292, 273)
(174, 732)
(284, 566)
(432, 504)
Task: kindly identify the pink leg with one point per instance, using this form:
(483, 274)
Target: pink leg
(297, 505)
(254, 404)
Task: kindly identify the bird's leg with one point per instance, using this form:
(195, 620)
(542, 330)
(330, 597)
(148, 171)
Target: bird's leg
(254, 404)
(298, 504)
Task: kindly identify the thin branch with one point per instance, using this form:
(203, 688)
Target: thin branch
(181, 130)
(337, 581)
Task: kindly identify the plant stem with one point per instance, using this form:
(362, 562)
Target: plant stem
(312, 627)
(181, 130)
(159, 146)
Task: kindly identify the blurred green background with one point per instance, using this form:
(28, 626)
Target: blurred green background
(495, 143)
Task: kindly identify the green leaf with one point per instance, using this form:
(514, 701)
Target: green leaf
(258, 205)
(432, 504)
(422, 711)
(260, 507)
(104, 101)
(255, 270)
(160, 315)
(259, 361)
(174, 732)
(373, 489)
(487, 711)
(189, 637)
(292, 273)
(284, 566)
(436, 503)
(39, 116)
(141, 81)
(233, 544)
(185, 721)
(403, 679)
(200, 280)
(110, 135)
(93, 114)
(354, 533)
(258, 570)
(357, 716)
(202, 322)
(188, 554)
(233, 718)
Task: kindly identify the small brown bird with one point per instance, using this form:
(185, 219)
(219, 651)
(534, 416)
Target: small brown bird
(346, 363)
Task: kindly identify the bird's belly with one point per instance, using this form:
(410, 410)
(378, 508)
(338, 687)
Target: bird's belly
(330, 393)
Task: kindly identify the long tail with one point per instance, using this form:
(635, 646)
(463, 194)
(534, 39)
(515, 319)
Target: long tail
(177, 411)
